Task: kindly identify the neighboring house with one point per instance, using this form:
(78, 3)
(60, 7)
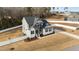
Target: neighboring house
(72, 19)
(35, 27)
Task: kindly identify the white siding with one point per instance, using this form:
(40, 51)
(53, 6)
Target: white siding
(25, 25)
(26, 30)
(49, 32)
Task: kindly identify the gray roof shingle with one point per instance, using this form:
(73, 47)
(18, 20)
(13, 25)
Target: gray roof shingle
(30, 20)
(33, 21)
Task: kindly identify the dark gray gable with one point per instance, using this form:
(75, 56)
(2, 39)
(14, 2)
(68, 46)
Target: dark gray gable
(30, 20)
(36, 22)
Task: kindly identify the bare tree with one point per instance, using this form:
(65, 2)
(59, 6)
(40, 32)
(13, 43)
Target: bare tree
(12, 16)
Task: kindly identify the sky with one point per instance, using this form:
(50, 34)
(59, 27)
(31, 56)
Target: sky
(72, 9)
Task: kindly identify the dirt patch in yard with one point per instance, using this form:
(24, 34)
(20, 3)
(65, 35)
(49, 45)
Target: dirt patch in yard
(58, 17)
(10, 34)
(51, 42)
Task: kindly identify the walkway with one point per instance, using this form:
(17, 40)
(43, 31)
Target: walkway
(69, 34)
(12, 40)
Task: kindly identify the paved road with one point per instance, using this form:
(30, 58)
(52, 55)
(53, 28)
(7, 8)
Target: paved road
(5, 30)
(65, 26)
(24, 37)
(70, 22)
(12, 40)
(74, 48)
(69, 34)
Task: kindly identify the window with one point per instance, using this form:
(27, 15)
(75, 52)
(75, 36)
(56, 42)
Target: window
(32, 32)
(50, 29)
(46, 30)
